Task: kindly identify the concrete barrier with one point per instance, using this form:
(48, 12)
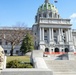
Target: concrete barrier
(26, 72)
(39, 63)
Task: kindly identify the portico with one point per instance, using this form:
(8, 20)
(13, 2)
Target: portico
(53, 32)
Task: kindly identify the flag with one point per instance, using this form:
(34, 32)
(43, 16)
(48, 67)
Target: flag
(55, 1)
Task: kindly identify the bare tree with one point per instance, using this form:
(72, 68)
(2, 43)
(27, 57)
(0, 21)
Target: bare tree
(14, 35)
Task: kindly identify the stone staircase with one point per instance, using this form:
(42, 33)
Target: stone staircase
(62, 67)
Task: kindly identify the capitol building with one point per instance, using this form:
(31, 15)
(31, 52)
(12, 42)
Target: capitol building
(53, 33)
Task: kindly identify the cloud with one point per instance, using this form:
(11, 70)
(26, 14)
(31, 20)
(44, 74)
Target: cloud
(73, 16)
(73, 20)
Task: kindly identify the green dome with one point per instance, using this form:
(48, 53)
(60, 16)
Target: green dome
(47, 6)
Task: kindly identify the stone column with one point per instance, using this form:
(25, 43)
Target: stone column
(69, 34)
(42, 34)
(52, 34)
(59, 35)
(62, 35)
(66, 36)
(49, 34)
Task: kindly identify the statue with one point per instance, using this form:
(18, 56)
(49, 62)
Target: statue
(1, 57)
(46, 1)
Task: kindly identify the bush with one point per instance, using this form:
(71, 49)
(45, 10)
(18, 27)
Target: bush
(28, 66)
(18, 64)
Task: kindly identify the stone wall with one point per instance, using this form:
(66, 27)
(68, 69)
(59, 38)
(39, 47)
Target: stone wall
(26, 72)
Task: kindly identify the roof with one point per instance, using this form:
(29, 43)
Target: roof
(47, 6)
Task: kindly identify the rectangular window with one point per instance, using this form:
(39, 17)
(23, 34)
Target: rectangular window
(5, 51)
(17, 51)
(35, 33)
(0, 41)
(6, 43)
(45, 31)
(45, 37)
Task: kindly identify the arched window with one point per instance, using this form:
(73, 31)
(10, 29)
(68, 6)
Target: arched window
(39, 15)
(56, 49)
(55, 15)
(44, 15)
(35, 18)
(46, 50)
(66, 50)
(58, 16)
(50, 14)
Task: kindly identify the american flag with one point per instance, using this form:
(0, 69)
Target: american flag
(55, 1)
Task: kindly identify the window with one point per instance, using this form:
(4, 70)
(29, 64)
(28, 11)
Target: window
(52, 50)
(53, 5)
(0, 41)
(55, 41)
(63, 31)
(17, 51)
(36, 19)
(44, 5)
(58, 16)
(62, 50)
(50, 15)
(35, 42)
(5, 51)
(35, 33)
(45, 31)
(11, 43)
(39, 15)
(6, 43)
(64, 41)
(64, 36)
(46, 50)
(55, 15)
(54, 31)
(45, 37)
(49, 4)
(44, 15)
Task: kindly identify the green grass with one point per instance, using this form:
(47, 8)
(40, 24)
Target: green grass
(20, 58)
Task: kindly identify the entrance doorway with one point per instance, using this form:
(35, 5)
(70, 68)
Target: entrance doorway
(46, 49)
(66, 50)
(56, 49)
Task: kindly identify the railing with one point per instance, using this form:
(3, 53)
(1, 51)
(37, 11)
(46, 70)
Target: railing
(55, 21)
(49, 53)
(15, 28)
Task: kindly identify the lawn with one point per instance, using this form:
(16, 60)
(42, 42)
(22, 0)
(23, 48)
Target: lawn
(20, 58)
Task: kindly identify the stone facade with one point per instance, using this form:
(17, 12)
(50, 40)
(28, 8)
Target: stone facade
(52, 33)
(7, 35)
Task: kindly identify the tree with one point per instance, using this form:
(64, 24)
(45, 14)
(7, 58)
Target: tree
(14, 35)
(27, 44)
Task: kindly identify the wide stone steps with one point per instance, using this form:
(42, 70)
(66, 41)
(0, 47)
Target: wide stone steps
(66, 73)
(63, 66)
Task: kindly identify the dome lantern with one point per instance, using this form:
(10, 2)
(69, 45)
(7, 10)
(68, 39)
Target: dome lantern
(46, 1)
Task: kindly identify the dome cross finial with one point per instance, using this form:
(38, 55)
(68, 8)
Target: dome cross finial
(46, 1)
